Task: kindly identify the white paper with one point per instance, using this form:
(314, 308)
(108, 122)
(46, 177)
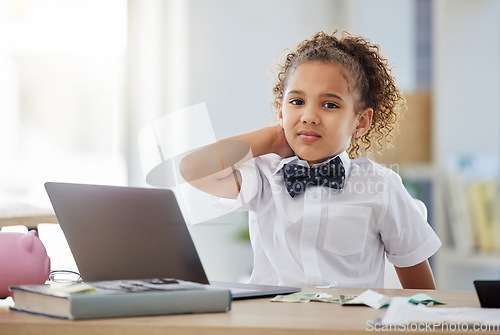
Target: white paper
(372, 299)
(401, 313)
(325, 296)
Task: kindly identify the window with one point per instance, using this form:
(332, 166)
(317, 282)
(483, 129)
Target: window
(62, 64)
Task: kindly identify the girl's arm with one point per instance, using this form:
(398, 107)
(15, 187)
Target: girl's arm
(212, 169)
(416, 277)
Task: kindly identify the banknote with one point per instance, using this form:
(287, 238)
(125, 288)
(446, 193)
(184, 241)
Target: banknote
(325, 297)
(346, 298)
(294, 297)
(320, 297)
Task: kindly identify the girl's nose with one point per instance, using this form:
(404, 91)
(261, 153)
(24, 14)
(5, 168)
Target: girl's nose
(310, 115)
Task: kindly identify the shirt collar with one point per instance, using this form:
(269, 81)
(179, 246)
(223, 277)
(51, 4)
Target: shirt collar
(296, 160)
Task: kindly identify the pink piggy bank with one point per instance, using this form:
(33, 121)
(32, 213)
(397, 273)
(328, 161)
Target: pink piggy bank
(23, 260)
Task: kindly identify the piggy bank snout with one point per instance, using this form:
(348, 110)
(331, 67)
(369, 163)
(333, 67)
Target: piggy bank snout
(23, 260)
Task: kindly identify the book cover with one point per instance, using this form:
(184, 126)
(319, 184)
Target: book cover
(479, 209)
(459, 215)
(120, 298)
(492, 198)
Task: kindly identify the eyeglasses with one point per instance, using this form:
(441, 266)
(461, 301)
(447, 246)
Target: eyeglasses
(64, 276)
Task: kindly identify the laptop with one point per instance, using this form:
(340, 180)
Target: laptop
(488, 293)
(118, 232)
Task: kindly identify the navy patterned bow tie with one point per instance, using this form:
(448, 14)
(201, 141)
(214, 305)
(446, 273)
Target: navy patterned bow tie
(330, 174)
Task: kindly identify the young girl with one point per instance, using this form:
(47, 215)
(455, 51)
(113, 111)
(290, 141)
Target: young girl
(319, 215)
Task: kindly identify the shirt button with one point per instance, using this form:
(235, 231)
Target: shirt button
(309, 234)
(314, 196)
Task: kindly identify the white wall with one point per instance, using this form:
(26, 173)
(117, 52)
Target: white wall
(466, 112)
(390, 24)
(466, 77)
(233, 46)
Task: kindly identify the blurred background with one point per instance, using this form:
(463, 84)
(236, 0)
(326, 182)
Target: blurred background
(79, 80)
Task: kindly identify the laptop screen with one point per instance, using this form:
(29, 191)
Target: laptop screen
(119, 232)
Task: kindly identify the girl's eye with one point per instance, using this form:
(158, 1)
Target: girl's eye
(330, 105)
(297, 102)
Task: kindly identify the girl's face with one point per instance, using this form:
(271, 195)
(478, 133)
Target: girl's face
(317, 112)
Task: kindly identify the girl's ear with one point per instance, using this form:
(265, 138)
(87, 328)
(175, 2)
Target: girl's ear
(364, 122)
(280, 116)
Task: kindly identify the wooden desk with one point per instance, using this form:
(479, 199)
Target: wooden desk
(257, 316)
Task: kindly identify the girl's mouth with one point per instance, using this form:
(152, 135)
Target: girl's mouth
(308, 136)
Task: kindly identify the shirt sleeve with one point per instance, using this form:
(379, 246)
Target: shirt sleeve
(250, 188)
(407, 236)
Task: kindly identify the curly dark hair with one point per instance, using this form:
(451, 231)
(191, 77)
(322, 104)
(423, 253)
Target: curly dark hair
(368, 75)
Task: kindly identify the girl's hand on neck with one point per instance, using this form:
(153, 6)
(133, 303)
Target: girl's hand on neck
(281, 146)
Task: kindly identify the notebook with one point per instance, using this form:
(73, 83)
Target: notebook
(488, 293)
(117, 232)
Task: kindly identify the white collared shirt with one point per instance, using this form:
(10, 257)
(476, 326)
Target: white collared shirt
(329, 237)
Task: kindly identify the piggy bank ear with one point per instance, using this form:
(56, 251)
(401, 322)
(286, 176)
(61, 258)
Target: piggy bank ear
(27, 242)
